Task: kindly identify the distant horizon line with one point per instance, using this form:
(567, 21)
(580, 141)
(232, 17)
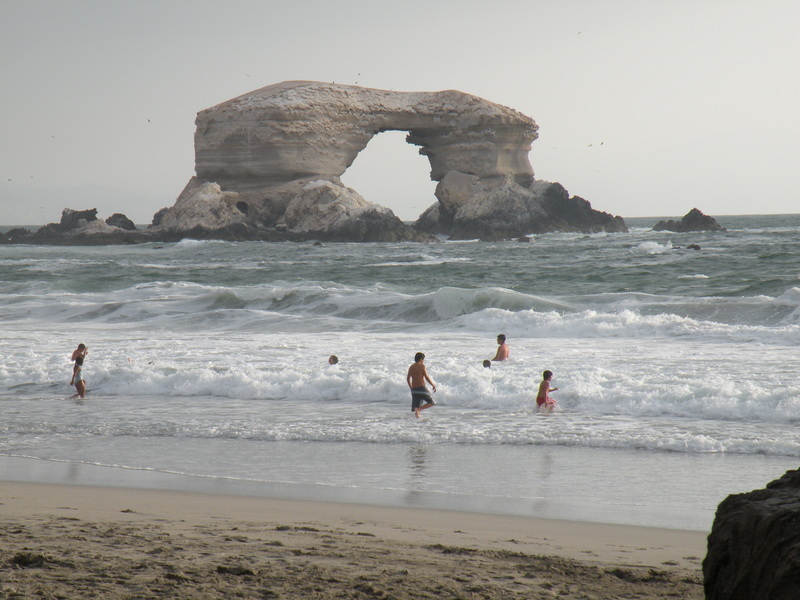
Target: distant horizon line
(6, 227)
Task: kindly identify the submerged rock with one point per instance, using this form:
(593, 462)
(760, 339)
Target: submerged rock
(754, 544)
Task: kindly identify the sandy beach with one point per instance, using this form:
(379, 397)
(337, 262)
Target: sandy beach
(61, 541)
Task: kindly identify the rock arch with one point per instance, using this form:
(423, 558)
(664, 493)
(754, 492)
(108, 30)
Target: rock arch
(309, 130)
(277, 155)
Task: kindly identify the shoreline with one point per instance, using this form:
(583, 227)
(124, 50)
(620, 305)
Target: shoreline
(163, 543)
(567, 487)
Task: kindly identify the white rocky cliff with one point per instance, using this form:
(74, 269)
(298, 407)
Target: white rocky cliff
(272, 147)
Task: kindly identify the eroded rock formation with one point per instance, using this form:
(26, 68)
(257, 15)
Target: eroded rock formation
(754, 545)
(282, 149)
(511, 210)
(268, 167)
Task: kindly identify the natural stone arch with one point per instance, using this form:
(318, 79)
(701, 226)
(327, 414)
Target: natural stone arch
(268, 151)
(304, 130)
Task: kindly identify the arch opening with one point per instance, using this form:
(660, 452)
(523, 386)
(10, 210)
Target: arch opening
(389, 171)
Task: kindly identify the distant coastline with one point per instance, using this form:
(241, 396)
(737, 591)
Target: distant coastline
(633, 221)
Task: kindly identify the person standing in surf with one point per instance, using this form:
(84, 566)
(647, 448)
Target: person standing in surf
(417, 376)
(543, 400)
(77, 378)
(77, 370)
(502, 349)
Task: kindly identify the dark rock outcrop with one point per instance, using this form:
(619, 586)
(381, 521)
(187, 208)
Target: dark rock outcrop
(694, 220)
(159, 216)
(79, 228)
(511, 211)
(754, 545)
(18, 235)
(121, 221)
(75, 219)
(573, 213)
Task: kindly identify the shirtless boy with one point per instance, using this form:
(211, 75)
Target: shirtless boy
(417, 376)
(502, 349)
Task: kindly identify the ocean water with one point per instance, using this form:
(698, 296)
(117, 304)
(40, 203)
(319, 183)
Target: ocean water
(207, 369)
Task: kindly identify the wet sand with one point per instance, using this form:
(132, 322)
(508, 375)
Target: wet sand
(61, 541)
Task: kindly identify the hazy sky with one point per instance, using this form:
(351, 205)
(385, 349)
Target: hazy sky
(645, 107)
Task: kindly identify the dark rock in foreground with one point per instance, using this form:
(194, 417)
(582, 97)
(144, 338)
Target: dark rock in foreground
(694, 220)
(754, 545)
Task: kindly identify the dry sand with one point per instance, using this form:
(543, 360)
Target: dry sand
(86, 542)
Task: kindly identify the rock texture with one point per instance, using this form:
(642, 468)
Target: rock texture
(694, 220)
(121, 221)
(332, 212)
(311, 130)
(268, 167)
(754, 545)
(283, 148)
(511, 211)
(80, 228)
(203, 205)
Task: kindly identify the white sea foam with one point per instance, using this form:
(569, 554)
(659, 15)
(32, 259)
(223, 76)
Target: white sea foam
(652, 248)
(211, 358)
(422, 261)
(191, 243)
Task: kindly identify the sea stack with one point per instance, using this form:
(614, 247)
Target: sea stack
(282, 149)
